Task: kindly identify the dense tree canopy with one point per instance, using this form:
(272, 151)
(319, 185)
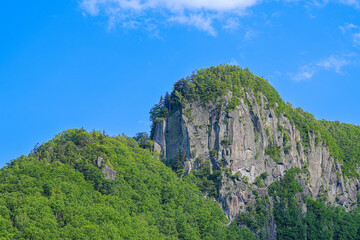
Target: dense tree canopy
(59, 192)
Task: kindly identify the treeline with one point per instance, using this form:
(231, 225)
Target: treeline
(347, 137)
(59, 192)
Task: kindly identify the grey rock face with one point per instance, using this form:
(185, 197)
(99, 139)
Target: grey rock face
(100, 161)
(238, 140)
(109, 173)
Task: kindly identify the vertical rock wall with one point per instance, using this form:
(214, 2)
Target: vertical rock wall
(237, 141)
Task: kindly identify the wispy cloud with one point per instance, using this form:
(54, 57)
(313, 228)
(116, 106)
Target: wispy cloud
(352, 3)
(95, 6)
(354, 31)
(250, 35)
(348, 26)
(322, 3)
(199, 21)
(356, 39)
(231, 24)
(234, 62)
(305, 73)
(333, 63)
(200, 14)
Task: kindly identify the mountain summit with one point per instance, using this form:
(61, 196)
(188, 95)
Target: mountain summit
(233, 132)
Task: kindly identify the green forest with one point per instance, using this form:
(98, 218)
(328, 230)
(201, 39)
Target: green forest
(59, 192)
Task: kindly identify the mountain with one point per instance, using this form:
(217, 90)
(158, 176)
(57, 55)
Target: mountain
(231, 131)
(84, 185)
(226, 159)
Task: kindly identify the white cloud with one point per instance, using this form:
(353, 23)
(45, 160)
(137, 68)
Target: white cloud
(353, 3)
(333, 63)
(201, 14)
(196, 20)
(232, 24)
(322, 3)
(305, 73)
(318, 3)
(347, 27)
(94, 6)
(198, 13)
(356, 39)
(354, 31)
(301, 76)
(249, 35)
(234, 62)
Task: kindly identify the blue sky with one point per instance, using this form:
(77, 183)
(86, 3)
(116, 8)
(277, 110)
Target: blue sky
(102, 64)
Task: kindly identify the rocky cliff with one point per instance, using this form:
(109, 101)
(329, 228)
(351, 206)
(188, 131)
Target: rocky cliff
(254, 147)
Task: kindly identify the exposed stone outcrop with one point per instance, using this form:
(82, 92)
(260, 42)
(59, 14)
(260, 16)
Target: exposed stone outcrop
(108, 172)
(100, 161)
(238, 141)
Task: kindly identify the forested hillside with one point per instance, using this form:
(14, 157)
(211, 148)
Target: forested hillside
(59, 192)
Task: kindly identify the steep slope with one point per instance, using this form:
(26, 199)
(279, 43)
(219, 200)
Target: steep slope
(237, 124)
(84, 185)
